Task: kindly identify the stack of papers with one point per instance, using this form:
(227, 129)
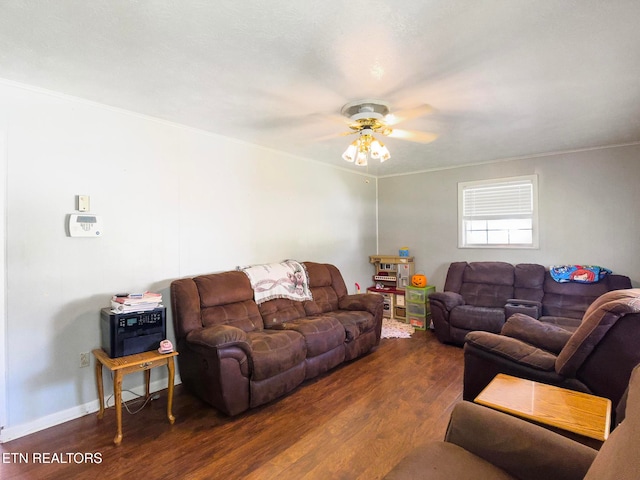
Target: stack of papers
(136, 302)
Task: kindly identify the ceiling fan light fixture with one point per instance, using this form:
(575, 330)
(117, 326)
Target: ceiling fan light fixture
(366, 148)
(379, 151)
(376, 149)
(361, 159)
(385, 155)
(350, 153)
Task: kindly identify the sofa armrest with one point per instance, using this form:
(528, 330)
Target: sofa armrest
(513, 350)
(219, 336)
(522, 449)
(368, 302)
(528, 307)
(447, 300)
(539, 334)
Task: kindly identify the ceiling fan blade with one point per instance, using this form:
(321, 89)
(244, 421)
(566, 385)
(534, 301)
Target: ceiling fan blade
(408, 114)
(338, 119)
(333, 135)
(413, 136)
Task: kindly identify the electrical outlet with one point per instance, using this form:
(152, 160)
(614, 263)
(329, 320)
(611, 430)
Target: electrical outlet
(85, 359)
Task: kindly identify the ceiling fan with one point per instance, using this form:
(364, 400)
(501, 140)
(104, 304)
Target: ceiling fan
(366, 117)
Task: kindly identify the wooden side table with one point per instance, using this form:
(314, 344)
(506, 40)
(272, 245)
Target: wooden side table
(122, 366)
(580, 413)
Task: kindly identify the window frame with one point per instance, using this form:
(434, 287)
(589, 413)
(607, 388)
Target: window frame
(497, 182)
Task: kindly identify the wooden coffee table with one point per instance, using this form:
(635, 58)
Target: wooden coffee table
(580, 413)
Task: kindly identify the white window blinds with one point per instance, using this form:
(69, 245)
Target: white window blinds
(498, 200)
(498, 213)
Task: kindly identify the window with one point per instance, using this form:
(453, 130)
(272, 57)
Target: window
(498, 213)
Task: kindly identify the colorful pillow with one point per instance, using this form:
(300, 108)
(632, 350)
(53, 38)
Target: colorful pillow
(578, 273)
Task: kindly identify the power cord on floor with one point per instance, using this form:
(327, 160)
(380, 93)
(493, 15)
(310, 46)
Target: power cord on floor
(155, 396)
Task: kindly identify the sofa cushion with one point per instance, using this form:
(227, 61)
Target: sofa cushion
(487, 284)
(354, 322)
(471, 318)
(324, 300)
(362, 302)
(227, 299)
(275, 352)
(569, 324)
(243, 315)
(486, 295)
(321, 334)
(327, 287)
(528, 281)
(570, 299)
(495, 273)
(222, 288)
(319, 274)
(280, 310)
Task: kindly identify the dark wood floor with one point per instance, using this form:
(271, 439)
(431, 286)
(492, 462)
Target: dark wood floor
(355, 422)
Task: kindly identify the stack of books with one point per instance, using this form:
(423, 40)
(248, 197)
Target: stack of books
(135, 302)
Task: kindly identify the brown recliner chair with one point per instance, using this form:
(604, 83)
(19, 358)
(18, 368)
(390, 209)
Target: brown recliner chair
(597, 358)
(474, 298)
(481, 443)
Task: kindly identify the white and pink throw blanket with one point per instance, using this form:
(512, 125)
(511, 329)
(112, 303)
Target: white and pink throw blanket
(287, 279)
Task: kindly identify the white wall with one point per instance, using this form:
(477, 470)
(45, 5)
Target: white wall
(3, 290)
(175, 202)
(587, 212)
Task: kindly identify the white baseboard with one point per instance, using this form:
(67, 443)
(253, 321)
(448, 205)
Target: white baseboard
(11, 433)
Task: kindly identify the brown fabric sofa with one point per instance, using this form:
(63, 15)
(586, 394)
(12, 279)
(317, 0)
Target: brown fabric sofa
(482, 295)
(236, 354)
(597, 358)
(481, 443)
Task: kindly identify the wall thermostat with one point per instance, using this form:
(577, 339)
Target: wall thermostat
(84, 225)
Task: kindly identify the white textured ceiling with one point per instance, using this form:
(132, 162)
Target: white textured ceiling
(507, 79)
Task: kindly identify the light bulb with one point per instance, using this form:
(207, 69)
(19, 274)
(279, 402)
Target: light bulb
(376, 149)
(361, 160)
(384, 153)
(350, 153)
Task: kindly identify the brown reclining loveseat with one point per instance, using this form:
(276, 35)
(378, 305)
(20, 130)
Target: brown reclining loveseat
(482, 296)
(236, 354)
